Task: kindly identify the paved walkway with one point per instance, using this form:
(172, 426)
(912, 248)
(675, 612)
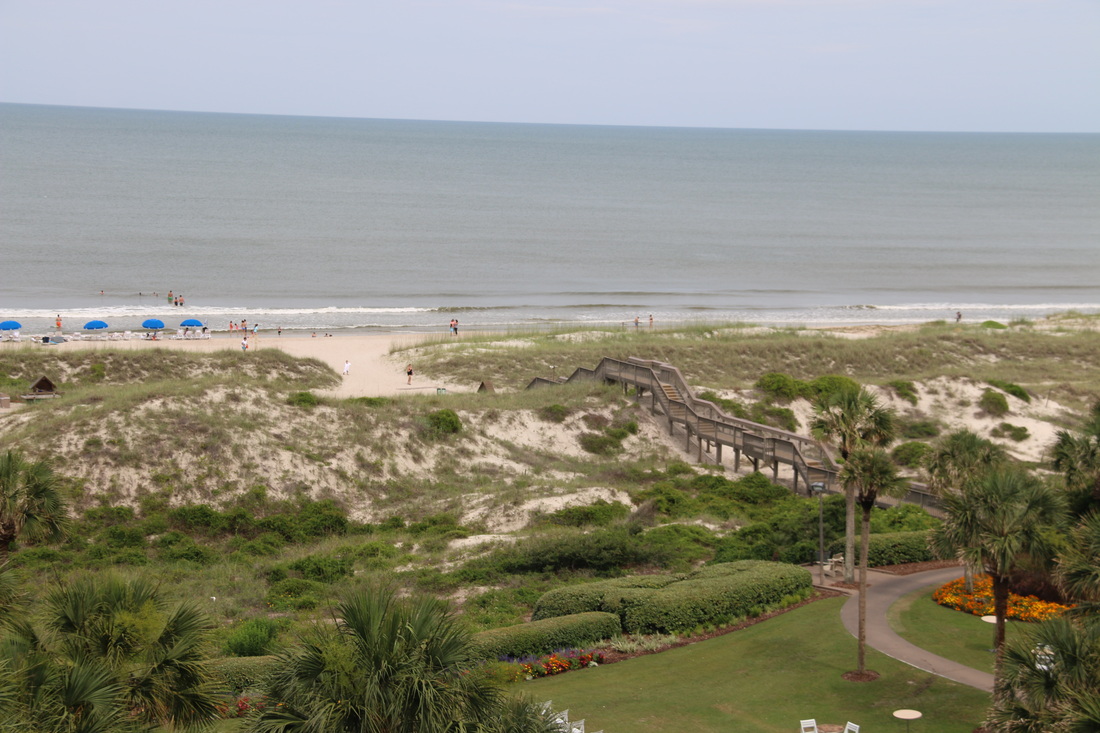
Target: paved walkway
(884, 591)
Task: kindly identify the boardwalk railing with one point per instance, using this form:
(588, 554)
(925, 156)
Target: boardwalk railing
(710, 428)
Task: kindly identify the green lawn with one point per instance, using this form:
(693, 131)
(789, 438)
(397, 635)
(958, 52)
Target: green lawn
(955, 635)
(761, 679)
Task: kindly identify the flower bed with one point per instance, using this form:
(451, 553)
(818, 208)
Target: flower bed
(529, 668)
(980, 602)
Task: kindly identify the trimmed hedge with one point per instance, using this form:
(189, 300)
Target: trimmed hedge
(243, 673)
(893, 548)
(547, 635)
(712, 595)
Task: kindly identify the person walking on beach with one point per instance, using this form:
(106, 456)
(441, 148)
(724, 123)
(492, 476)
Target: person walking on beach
(244, 344)
(651, 320)
(409, 371)
(347, 367)
(636, 321)
(58, 323)
(958, 316)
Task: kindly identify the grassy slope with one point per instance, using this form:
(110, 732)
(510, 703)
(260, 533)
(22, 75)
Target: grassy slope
(762, 679)
(952, 634)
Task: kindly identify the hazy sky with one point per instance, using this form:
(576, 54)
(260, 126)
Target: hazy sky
(1018, 65)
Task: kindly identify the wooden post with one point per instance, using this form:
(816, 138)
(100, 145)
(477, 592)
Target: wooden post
(775, 470)
(718, 452)
(755, 464)
(736, 459)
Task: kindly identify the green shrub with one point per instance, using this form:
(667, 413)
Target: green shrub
(830, 384)
(1013, 389)
(993, 403)
(683, 543)
(911, 454)
(730, 407)
(994, 325)
(554, 413)
(370, 401)
(778, 417)
(603, 551)
(781, 386)
(667, 499)
(905, 390)
(1008, 430)
(119, 536)
(322, 568)
(600, 444)
(187, 549)
(894, 548)
(307, 400)
(546, 635)
(252, 638)
(295, 593)
(714, 595)
(444, 422)
(268, 543)
(917, 429)
(196, 518)
(107, 516)
(600, 513)
(241, 674)
(901, 518)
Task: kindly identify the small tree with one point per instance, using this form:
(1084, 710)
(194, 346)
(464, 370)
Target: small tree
(868, 474)
(992, 525)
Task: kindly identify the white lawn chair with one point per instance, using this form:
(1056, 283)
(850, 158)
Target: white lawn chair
(16, 337)
(178, 334)
(127, 335)
(851, 728)
(76, 336)
(809, 726)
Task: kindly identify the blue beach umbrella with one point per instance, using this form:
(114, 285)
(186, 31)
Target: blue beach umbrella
(10, 325)
(154, 324)
(192, 322)
(95, 325)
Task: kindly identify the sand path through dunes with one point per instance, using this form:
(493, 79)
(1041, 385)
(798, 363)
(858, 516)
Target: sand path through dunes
(374, 372)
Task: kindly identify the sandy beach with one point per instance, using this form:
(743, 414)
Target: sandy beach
(373, 372)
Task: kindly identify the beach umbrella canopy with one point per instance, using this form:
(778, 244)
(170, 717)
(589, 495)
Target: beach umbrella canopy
(10, 325)
(192, 322)
(152, 323)
(95, 325)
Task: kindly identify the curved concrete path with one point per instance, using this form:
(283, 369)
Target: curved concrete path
(883, 591)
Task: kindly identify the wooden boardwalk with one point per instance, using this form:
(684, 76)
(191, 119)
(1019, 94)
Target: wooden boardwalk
(707, 429)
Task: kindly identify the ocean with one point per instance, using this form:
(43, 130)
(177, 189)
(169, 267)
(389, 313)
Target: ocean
(326, 224)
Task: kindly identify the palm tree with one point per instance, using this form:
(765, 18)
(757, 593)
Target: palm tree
(1050, 680)
(31, 504)
(113, 656)
(1077, 457)
(993, 524)
(852, 419)
(1078, 570)
(959, 459)
(389, 666)
(962, 457)
(868, 474)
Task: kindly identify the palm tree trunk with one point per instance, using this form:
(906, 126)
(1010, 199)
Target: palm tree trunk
(864, 541)
(849, 534)
(1000, 610)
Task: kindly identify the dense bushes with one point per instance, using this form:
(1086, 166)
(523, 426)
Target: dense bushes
(1009, 388)
(911, 454)
(784, 387)
(893, 548)
(602, 551)
(716, 594)
(253, 638)
(243, 673)
(547, 635)
(444, 422)
(600, 513)
(993, 403)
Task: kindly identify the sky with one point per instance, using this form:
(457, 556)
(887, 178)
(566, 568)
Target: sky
(950, 65)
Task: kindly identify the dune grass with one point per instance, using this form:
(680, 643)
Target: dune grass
(759, 680)
(951, 634)
(733, 357)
